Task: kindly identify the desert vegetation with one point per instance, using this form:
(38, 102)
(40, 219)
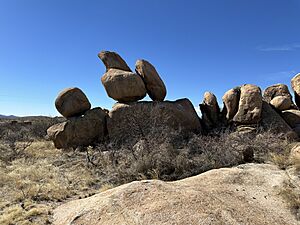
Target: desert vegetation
(35, 177)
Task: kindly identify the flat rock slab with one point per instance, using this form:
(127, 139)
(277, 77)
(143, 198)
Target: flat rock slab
(247, 194)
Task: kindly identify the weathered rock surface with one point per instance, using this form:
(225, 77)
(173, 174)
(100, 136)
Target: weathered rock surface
(292, 117)
(246, 194)
(210, 110)
(250, 105)
(271, 120)
(72, 102)
(113, 60)
(123, 86)
(281, 102)
(156, 88)
(231, 103)
(295, 82)
(276, 90)
(79, 131)
(126, 121)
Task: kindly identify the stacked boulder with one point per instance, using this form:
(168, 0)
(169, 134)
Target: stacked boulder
(83, 126)
(130, 118)
(245, 109)
(279, 97)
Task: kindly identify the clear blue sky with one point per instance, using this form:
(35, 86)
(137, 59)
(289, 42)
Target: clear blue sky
(196, 46)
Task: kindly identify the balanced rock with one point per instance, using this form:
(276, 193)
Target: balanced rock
(276, 90)
(123, 86)
(127, 121)
(113, 60)
(292, 117)
(281, 102)
(250, 105)
(156, 88)
(79, 131)
(296, 88)
(210, 110)
(231, 103)
(72, 102)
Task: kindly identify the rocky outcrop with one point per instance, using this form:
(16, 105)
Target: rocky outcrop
(210, 110)
(123, 86)
(79, 131)
(231, 103)
(113, 60)
(250, 105)
(72, 102)
(276, 90)
(156, 88)
(134, 120)
(295, 82)
(245, 194)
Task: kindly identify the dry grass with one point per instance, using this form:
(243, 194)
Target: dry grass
(43, 178)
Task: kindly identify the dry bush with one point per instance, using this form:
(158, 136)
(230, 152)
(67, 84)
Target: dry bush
(169, 156)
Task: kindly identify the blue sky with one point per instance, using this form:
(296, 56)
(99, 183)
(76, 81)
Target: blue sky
(196, 46)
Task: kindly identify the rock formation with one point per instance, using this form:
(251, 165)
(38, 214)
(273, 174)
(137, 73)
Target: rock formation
(156, 88)
(245, 109)
(245, 194)
(250, 105)
(210, 110)
(129, 121)
(79, 131)
(72, 102)
(231, 103)
(276, 90)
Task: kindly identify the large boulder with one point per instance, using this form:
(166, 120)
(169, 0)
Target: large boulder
(156, 88)
(129, 121)
(113, 60)
(250, 105)
(231, 103)
(72, 102)
(210, 110)
(79, 131)
(123, 86)
(276, 90)
(246, 194)
(292, 117)
(271, 120)
(295, 82)
(281, 102)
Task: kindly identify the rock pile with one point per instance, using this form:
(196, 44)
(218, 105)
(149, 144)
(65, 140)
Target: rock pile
(245, 108)
(83, 126)
(128, 118)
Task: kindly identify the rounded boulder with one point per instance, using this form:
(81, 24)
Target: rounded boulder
(123, 86)
(281, 102)
(156, 88)
(72, 102)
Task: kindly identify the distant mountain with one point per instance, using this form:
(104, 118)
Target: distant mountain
(8, 117)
